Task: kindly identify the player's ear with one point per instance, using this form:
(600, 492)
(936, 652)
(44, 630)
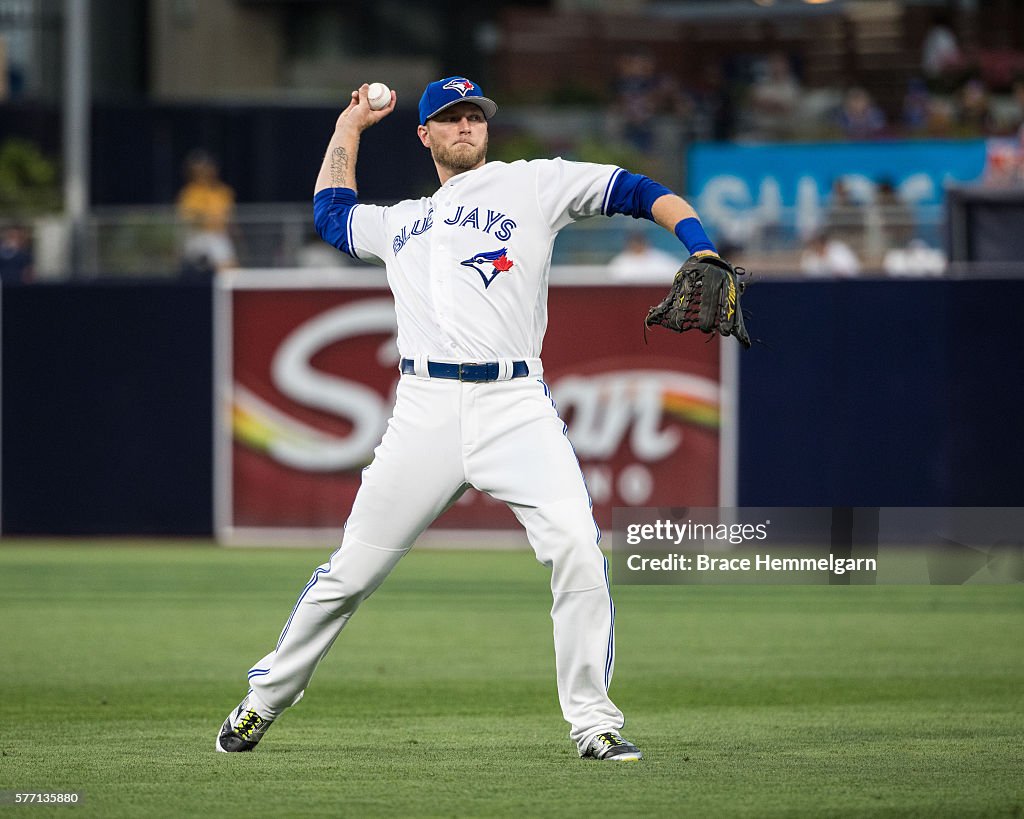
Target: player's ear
(424, 135)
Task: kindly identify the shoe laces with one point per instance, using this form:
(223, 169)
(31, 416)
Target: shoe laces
(610, 740)
(250, 722)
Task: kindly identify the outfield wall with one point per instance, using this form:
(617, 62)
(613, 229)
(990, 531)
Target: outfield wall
(863, 393)
(883, 393)
(106, 409)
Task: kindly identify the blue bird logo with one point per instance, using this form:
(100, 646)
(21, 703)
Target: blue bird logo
(460, 84)
(490, 264)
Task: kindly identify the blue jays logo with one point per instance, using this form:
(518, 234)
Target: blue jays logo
(490, 264)
(460, 84)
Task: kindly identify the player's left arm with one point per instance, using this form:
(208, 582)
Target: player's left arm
(641, 197)
(677, 216)
(570, 191)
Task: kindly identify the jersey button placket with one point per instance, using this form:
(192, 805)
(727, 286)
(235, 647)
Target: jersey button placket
(448, 273)
(439, 263)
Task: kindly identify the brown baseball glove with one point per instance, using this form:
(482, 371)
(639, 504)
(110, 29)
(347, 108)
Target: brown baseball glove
(705, 295)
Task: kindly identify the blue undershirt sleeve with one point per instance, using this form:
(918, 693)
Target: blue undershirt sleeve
(634, 194)
(332, 216)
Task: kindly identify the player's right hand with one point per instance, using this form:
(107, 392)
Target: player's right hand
(359, 115)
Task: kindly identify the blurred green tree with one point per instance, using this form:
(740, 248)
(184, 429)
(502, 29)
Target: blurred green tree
(29, 183)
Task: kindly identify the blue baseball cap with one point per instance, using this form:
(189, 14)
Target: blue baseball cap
(445, 93)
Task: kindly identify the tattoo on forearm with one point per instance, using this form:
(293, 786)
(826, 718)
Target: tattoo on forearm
(339, 167)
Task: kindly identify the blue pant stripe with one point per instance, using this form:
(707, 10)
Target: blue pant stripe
(312, 582)
(565, 432)
(305, 591)
(610, 657)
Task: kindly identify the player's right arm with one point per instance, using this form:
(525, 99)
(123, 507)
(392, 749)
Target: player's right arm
(338, 169)
(334, 196)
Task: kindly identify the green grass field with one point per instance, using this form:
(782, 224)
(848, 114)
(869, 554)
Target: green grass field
(120, 663)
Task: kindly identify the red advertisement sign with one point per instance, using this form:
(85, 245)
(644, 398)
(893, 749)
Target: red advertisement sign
(308, 375)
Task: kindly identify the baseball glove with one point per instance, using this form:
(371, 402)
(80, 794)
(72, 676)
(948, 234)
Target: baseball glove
(705, 295)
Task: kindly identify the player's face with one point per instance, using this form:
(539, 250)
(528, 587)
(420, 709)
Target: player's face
(457, 137)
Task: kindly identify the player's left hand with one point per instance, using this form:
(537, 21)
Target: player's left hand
(705, 295)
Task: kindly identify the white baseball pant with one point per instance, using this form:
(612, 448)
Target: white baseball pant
(504, 438)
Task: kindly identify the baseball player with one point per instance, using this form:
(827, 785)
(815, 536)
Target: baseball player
(469, 268)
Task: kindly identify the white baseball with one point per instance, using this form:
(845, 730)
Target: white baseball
(378, 95)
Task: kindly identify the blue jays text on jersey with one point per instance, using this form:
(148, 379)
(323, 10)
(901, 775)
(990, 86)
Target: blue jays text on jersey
(495, 223)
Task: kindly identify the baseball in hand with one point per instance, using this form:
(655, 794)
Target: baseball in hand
(378, 95)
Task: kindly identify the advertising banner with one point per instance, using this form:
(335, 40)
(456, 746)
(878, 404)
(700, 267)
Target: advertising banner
(742, 190)
(307, 376)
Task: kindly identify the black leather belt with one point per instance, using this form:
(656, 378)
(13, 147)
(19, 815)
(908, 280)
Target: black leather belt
(470, 371)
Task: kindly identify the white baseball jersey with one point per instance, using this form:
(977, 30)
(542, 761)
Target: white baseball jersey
(469, 265)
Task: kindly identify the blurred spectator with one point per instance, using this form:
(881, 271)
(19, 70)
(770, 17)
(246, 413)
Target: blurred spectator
(774, 98)
(715, 102)
(975, 110)
(859, 117)
(916, 105)
(940, 52)
(844, 218)
(1004, 162)
(916, 259)
(941, 117)
(671, 98)
(895, 216)
(315, 252)
(636, 85)
(639, 262)
(15, 255)
(206, 205)
(825, 255)
(1017, 97)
